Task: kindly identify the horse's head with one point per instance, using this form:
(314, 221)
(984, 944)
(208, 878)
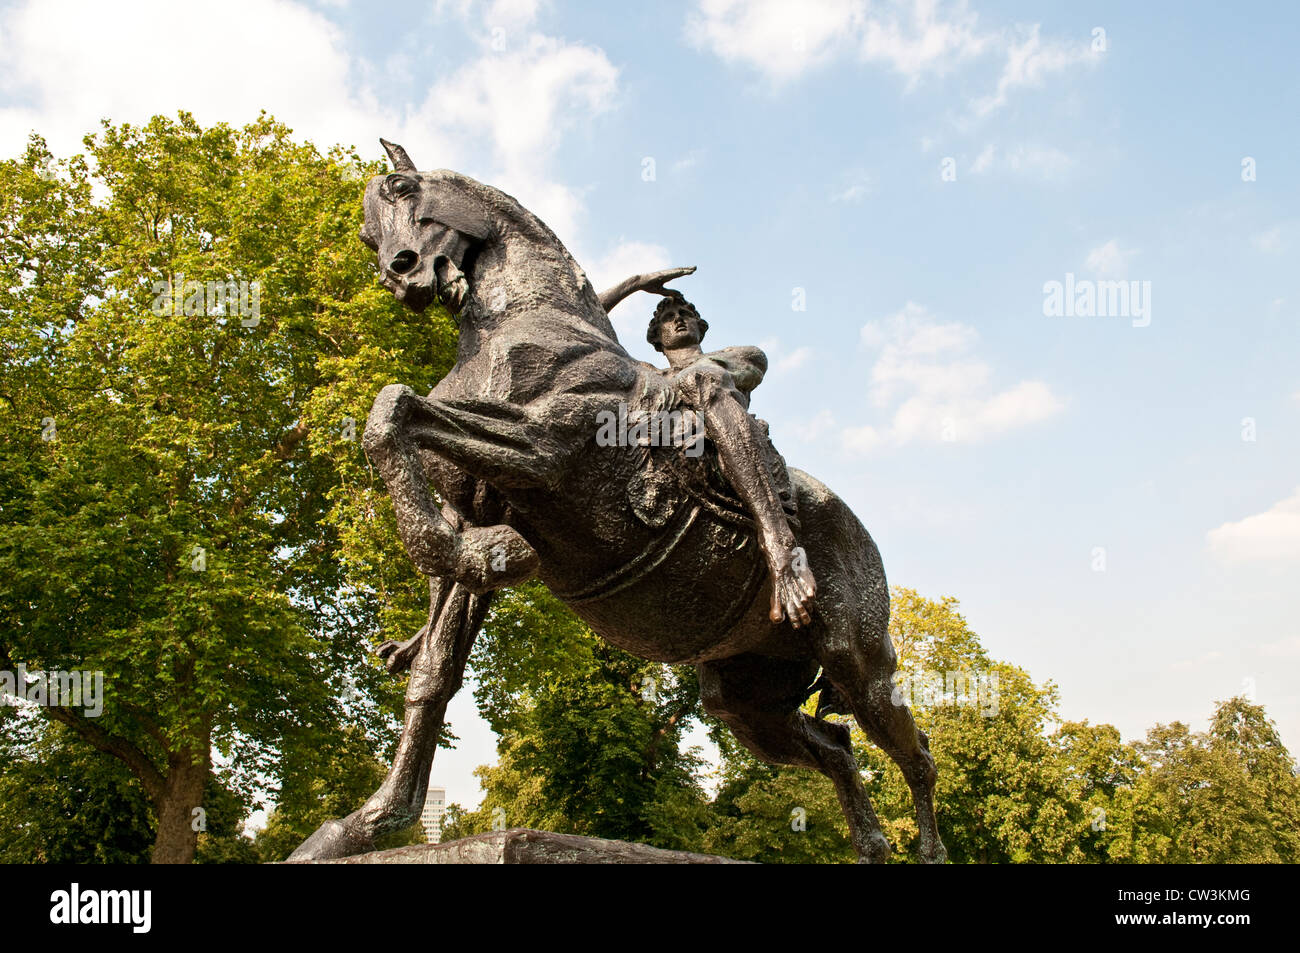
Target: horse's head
(423, 226)
(442, 235)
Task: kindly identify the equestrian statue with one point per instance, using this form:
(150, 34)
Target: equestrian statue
(690, 542)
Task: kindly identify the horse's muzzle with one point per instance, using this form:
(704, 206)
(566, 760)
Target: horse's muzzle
(416, 278)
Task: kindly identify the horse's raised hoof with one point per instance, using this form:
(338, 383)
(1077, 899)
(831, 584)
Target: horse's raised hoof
(493, 557)
(332, 840)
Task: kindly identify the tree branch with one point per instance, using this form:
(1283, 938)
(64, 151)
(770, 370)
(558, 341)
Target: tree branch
(135, 759)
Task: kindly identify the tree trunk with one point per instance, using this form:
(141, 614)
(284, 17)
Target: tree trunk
(178, 827)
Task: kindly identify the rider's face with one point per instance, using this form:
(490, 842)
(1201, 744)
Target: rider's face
(678, 328)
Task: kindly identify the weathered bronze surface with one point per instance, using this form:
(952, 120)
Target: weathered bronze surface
(672, 557)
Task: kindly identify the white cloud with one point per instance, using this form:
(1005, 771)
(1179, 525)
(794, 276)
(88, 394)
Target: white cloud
(1044, 162)
(792, 361)
(1271, 535)
(1109, 260)
(625, 259)
(521, 102)
(688, 161)
(915, 38)
(935, 390)
(496, 14)
(783, 39)
(501, 115)
(521, 99)
(779, 360)
(814, 427)
(862, 439)
(73, 62)
(1029, 60)
(509, 14)
(1204, 658)
(783, 363)
(780, 38)
(1269, 241)
(984, 161)
(1282, 648)
(858, 186)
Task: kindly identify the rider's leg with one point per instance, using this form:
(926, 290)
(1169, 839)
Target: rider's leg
(740, 444)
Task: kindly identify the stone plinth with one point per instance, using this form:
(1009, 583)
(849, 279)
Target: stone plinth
(523, 846)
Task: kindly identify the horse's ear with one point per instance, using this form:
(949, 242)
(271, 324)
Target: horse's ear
(397, 155)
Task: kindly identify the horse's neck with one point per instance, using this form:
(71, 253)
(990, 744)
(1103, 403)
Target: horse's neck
(531, 269)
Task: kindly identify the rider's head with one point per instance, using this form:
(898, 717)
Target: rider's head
(673, 306)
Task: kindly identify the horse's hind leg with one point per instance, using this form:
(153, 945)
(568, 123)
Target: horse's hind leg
(852, 643)
(863, 677)
(758, 697)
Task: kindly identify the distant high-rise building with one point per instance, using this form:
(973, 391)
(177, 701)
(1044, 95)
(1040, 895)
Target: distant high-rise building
(435, 805)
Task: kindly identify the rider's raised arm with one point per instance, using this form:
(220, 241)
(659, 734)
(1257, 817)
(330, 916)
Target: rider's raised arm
(652, 282)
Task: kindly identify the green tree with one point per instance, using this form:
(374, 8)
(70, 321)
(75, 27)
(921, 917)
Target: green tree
(777, 815)
(323, 785)
(1007, 791)
(1225, 796)
(590, 737)
(62, 802)
(186, 502)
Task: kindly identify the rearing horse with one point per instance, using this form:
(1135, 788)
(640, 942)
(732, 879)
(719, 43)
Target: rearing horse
(508, 439)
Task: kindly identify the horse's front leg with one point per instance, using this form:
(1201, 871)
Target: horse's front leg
(436, 675)
(498, 442)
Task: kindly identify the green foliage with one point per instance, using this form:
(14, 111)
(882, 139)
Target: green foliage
(1225, 796)
(324, 784)
(590, 736)
(777, 816)
(62, 802)
(1016, 785)
(184, 508)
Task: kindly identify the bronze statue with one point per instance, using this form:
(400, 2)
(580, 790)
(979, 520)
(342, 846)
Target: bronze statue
(718, 385)
(669, 557)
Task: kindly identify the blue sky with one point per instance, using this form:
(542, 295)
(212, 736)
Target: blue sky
(996, 453)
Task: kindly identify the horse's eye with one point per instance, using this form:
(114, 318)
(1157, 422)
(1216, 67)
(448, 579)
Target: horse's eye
(399, 185)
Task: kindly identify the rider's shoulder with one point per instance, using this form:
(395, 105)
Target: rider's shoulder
(747, 364)
(745, 354)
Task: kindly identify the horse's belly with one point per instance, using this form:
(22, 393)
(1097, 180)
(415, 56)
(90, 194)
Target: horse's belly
(684, 604)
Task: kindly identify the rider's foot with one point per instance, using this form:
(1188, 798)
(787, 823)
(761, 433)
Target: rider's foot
(793, 587)
(493, 557)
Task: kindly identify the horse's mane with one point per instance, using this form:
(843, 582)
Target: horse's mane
(541, 272)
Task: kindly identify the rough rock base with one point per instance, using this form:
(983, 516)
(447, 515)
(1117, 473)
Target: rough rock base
(523, 846)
